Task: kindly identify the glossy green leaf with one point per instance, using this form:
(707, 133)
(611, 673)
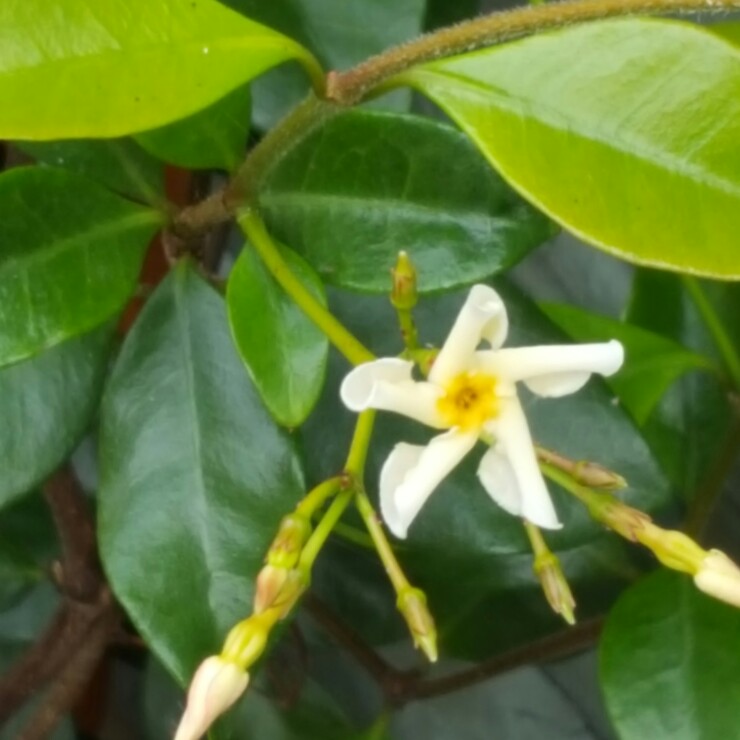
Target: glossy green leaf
(730, 31)
(70, 254)
(95, 69)
(638, 118)
(669, 662)
(368, 184)
(471, 556)
(119, 164)
(214, 138)
(285, 353)
(195, 475)
(46, 405)
(652, 362)
(341, 34)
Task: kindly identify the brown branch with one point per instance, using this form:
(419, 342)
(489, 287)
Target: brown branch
(401, 687)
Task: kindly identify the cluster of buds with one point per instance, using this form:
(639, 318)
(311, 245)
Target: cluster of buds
(221, 679)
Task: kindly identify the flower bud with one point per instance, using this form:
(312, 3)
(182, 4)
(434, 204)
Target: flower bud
(216, 685)
(718, 576)
(597, 476)
(292, 534)
(403, 294)
(555, 586)
(674, 549)
(412, 603)
(247, 640)
(278, 588)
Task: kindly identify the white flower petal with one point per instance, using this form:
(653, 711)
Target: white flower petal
(387, 385)
(515, 443)
(554, 370)
(412, 472)
(482, 317)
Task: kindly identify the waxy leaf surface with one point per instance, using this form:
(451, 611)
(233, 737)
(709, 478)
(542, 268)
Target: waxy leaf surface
(70, 254)
(624, 131)
(283, 350)
(195, 475)
(368, 184)
(102, 68)
(669, 662)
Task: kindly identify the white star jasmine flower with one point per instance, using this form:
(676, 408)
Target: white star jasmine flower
(471, 393)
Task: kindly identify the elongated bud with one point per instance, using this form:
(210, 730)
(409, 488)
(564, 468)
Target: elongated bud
(216, 685)
(623, 519)
(674, 549)
(584, 472)
(555, 586)
(412, 603)
(247, 640)
(278, 588)
(403, 294)
(293, 532)
(719, 577)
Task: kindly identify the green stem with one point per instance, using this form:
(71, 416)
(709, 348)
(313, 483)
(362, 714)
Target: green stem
(318, 496)
(351, 87)
(323, 529)
(357, 456)
(338, 335)
(721, 338)
(385, 551)
(566, 481)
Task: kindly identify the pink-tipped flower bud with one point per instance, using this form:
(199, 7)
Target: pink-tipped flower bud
(216, 685)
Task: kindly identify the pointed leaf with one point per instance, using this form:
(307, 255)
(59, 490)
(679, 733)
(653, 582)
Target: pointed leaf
(669, 662)
(368, 184)
(46, 405)
(283, 350)
(100, 69)
(638, 118)
(70, 253)
(119, 164)
(195, 475)
(214, 138)
(652, 362)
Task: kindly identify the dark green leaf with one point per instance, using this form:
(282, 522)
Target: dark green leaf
(368, 184)
(652, 362)
(341, 34)
(283, 350)
(195, 475)
(119, 164)
(576, 121)
(669, 662)
(46, 405)
(214, 138)
(470, 555)
(69, 257)
(99, 70)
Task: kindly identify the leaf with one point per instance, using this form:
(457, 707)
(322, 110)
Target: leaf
(368, 184)
(194, 475)
(285, 353)
(47, 404)
(669, 662)
(341, 34)
(471, 556)
(728, 30)
(214, 138)
(119, 164)
(69, 257)
(576, 120)
(102, 70)
(652, 362)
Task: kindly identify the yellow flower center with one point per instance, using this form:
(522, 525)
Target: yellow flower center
(469, 400)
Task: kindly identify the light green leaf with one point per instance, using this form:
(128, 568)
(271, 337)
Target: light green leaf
(47, 403)
(368, 184)
(119, 164)
(70, 254)
(669, 662)
(283, 350)
(652, 362)
(195, 475)
(624, 131)
(102, 69)
(214, 138)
